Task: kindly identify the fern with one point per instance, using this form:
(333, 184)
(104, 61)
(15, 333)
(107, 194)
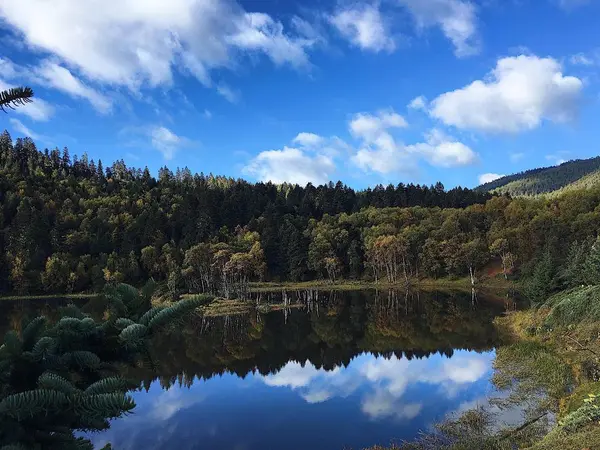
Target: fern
(107, 386)
(51, 381)
(133, 334)
(104, 405)
(174, 313)
(82, 358)
(122, 323)
(150, 314)
(71, 311)
(32, 330)
(44, 347)
(30, 403)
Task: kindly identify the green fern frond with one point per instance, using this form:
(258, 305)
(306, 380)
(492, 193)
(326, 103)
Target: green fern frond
(71, 311)
(32, 330)
(122, 323)
(30, 403)
(133, 334)
(175, 312)
(43, 347)
(82, 358)
(150, 314)
(107, 386)
(51, 381)
(148, 289)
(105, 405)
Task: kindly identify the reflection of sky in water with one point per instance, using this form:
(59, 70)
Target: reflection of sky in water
(373, 400)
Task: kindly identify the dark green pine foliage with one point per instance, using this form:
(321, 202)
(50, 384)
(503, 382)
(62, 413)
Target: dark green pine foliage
(543, 280)
(592, 264)
(57, 378)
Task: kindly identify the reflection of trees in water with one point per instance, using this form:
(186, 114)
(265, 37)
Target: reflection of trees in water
(329, 331)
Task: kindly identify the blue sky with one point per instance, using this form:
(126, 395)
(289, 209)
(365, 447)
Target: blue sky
(363, 91)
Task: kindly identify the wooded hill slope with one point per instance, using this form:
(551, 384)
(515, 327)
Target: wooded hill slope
(577, 174)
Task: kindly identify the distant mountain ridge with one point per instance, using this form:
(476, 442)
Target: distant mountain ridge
(576, 174)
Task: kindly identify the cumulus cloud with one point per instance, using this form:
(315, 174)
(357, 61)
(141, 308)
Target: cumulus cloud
(456, 18)
(291, 165)
(167, 142)
(38, 109)
(364, 26)
(142, 42)
(419, 102)
(517, 95)
(489, 177)
(308, 139)
(444, 151)
(379, 151)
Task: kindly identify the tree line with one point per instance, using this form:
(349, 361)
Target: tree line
(69, 224)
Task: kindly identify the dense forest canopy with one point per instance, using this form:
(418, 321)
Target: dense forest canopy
(581, 173)
(71, 224)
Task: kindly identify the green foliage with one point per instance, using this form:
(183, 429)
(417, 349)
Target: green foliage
(543, 281)
(57, 377)
(578, 173)
(585, 414)
(579, 305)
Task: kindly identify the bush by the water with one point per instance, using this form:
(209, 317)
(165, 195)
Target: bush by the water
(579, 305)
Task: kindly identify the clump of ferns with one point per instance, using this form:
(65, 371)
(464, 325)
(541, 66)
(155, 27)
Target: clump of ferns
(60, 377)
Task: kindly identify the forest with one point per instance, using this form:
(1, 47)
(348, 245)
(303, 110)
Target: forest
(71, 225)
(577, 174)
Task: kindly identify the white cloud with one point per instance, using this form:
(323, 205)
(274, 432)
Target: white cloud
(443, 151)
(308, 140)
(62, 79)
(370, 127)
(364, 26)
(581, 59)
(293, 375)
(166, 142)
(456, 18)
(207, 114)
(379, 151)
(229, 94)
(419, 102)
(291, 165)
(38, 109)
(558, 158)
(489, 177)
(142, 42)
(19, 127)
(517, 95)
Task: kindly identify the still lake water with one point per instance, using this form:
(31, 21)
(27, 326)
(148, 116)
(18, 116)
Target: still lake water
(346, 370)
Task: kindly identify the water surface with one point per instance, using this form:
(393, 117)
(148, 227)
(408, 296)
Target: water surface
(339, 370)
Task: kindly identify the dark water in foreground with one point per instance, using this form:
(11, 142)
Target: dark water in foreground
(346, 370)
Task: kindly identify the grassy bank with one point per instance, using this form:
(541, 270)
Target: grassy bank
(352, 285)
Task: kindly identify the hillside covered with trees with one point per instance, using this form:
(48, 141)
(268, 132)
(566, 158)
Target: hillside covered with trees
(70, 225)
(577, 174)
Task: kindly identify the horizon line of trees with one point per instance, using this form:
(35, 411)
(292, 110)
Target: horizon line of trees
(69, 224)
